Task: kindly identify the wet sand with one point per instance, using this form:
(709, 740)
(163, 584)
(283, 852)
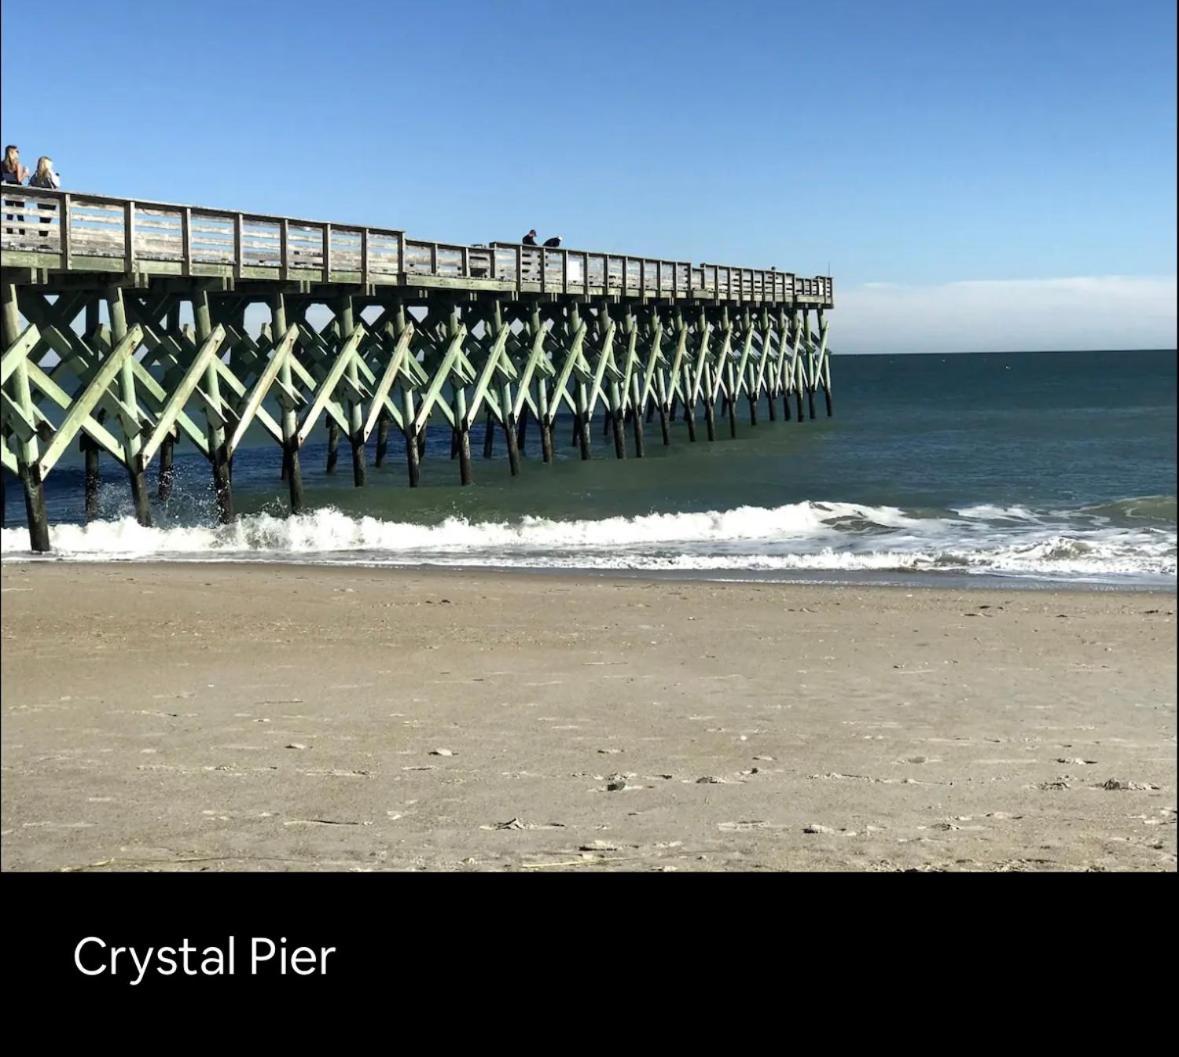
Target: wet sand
(263, 717)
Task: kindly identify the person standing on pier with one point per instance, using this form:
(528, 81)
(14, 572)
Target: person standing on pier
(12, 172)
(530, 238)
(45, 177)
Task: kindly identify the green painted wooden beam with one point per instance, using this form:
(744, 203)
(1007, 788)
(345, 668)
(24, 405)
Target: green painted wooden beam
(86, 403)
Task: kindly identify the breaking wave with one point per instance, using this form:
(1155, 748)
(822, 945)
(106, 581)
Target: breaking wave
(1132, 540)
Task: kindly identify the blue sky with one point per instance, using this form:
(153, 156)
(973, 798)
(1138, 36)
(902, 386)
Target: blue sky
(921, 145)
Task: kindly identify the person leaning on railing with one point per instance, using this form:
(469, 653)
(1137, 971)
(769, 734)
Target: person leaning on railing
(12, 172)
(46, 178)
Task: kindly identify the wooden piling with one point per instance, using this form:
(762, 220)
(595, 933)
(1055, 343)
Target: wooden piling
(167, 473)
(509, 424)
(661, 404)
(583, 422)
(129, 412)
(333, 444)
(783, 330)
(382, 439)
(824, 367)
(615, 409)
(290, 420)
(412, 453)
(215, 434)
(488, 434)
(808, 361)
(546, 426)
(347, 321)
(709, 403)
(637, 417)
(731, 378)
(92, 472)
(462, 435)
(35, 513)
(27, 451)
(413, 442)
(771, 381)
(462, 425)
(92, 478)
(167, 467)
(799, 375)
(522, 430)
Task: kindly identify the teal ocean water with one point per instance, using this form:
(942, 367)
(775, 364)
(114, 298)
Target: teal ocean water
(1037, 467)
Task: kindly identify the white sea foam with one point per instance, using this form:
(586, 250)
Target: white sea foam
(991, 512)
(816, 536)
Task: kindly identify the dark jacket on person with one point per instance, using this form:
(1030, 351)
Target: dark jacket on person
(9, 176)
(529, 240)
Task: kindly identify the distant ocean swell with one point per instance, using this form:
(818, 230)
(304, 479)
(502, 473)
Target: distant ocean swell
(1131, 540)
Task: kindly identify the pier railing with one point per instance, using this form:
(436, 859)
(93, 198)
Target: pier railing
(82, 232)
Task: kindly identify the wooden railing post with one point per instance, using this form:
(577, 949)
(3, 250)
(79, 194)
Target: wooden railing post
(186, 241)
(237, 245)
(327, 253)
(63, 224)
(129, 237)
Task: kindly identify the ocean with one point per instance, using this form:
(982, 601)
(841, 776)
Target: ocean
(1020, 468)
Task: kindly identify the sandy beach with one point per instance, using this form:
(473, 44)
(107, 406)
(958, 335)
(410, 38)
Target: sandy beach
(266, 717)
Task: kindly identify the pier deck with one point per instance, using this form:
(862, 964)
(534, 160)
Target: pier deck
(420, 332)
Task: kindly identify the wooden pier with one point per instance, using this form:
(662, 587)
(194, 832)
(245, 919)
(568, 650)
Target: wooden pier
(420, 332)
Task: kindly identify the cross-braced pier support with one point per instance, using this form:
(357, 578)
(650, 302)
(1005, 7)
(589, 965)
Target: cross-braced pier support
(135, 388)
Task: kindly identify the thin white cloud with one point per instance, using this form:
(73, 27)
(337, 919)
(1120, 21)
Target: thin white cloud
(1006, 315)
